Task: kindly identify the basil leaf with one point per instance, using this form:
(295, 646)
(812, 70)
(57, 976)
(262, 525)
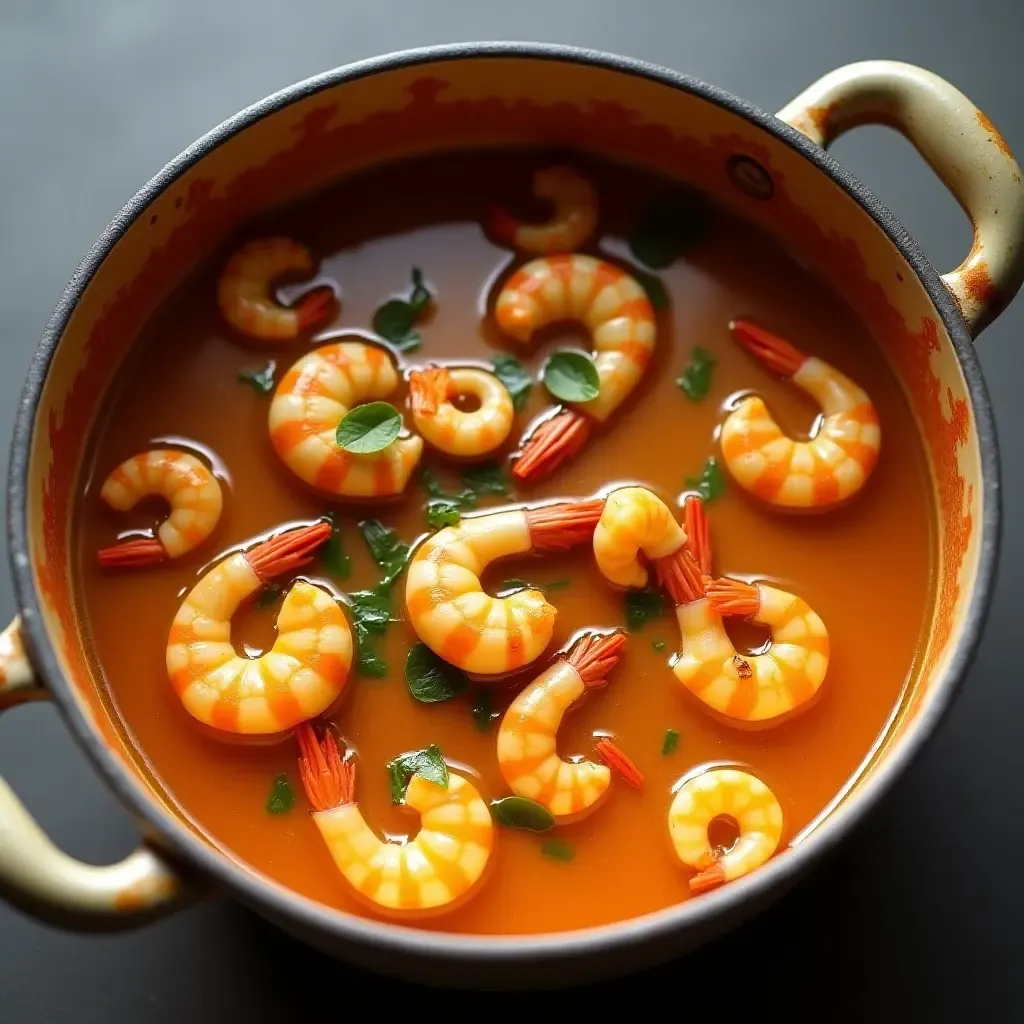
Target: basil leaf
(429, 763)
(368, 661)
(483, 708)
(372, 609)
(394, 320)
(670, 742)
(517, 381)
(262, 381)
(430, 678)
(442, 512)
(332, 555)
(369, 428)
(654, 288)
(672, 223)
(641, 607)
(572, 377)
(269, 596)
(518, 812)
(420, 296)
(282, 796)
(518, 584)
(696, 378)
(388, 551)
(486, 479)
(710, 484)
(558, 849)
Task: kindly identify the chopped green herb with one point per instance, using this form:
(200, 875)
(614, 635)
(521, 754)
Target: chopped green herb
(519, 812)
(558, 849)
(282, 796)
(368, 661)
(269, 596)
(333, 557)
(517, 584)
(429, 763)
(641, 607)
(658, 643)
(696, 378)
(372, 609)
(710, 484)
(486, 479)
(443, 512)
(261, 381)
(430, 678)
(670, 742)
(483, 708)
(671, 224)
(654, 287)
(369, 428)
(395, 319)
(517, 381)
(572, 377)
(390, 553)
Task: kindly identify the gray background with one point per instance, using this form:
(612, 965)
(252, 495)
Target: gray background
(919, 914)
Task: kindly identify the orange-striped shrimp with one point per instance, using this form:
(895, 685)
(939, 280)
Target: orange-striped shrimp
(728, 793)
(243, 291)
(572, 223)
(614, 308)
(819, 473)
(750, 690)
(433, 872)
(452, 613)
(527, 737)
(191, 490)
(470, 434)
(298, 678)
(313, 398)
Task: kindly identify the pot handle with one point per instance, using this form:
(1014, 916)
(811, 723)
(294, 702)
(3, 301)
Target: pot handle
(959, 143)
(48, 884)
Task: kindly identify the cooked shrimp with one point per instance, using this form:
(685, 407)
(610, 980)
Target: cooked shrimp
(449, 609)
(298, 678)
(527, 737)
(450, 430)
(618, 314)
(756, 689)
(313, 398)
(818, 473)
(729, 793)
(189, 488)
(435, 871)
(573, 220)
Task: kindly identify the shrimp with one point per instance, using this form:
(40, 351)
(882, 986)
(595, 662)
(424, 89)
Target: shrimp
(819, 473)
(527, 736)
(449, 609)
(573, 221)
(189, 488)
(729, 793)
(313, 398)
(298, 678)
(431, 873)
(751, 690)
(614, 308)
(450, 430)
(243, 291)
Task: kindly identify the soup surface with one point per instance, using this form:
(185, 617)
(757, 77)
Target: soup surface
(870, 556)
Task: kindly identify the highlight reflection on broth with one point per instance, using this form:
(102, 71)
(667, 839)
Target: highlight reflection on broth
(594, 633)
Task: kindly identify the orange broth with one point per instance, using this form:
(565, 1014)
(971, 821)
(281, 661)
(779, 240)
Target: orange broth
(182, 388)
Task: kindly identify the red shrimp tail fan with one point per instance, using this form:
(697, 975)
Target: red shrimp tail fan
(698, 533)
(287, 551)
(710, 878)
(617, 761)
(554, 441)
(595, 655)
(501, 225)
(329, 781)
(563, 526)
(313, 309)
(734, 598)
(132, 554)
(681, 577)
(774, 352)
(429, 388)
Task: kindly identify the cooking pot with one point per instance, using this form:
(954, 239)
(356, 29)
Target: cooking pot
(773, 170)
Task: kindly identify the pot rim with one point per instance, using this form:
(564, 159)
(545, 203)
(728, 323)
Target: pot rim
(263, 892)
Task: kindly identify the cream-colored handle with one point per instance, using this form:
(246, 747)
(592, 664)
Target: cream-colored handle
(962, 147)
(46, 883)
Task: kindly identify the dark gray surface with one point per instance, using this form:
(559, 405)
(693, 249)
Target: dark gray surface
(919, 915)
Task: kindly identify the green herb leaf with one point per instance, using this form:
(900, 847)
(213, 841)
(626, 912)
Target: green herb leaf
(672, 223)
(394, 320)
(262, 381)
(372, 609)
(282, 796)
(658, 644)
(420, 297)
(429, 763)
(269, 596)
(572, 377)
(518, 812)
(430, 678)
(333, 558)
(488, 478)
(558, 849)
(483, 708)
(443, 512)
(517, 381)
(696, 378)
(670, 742)
(388, 551)
(368, 661)
(710, 484)
(517, 584)
(369, 428)
(641, 607)
(654, 287)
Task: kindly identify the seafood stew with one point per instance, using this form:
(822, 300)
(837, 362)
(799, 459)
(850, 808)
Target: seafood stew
(512, 438)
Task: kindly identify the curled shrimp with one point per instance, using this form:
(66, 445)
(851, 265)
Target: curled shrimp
(571, 224)
(449, 429)
(527, 737)
(614, 308)
(829, 467)
(243, 291)
(753, 690)
(298, 678)
(313, 398)
(449, 609)
(729, 793)
(431, 873)
(191, 490)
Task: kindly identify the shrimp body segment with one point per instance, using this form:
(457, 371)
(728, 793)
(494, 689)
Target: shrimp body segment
(298, 678)
(434, 871)
(571, 224)
(313, 398)
(188, 486)
(724, 792)
(449, 429)
(244, 291)
(820, 472)
(452, 613)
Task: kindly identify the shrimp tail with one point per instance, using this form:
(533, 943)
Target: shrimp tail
(731, 597)
(132, 554)
(554, 441)
(681, 577)
(313, 308)
(501, 225)
(698, 535)
(288, 551)
(776, 353)
(710, 878)
(595, 655)
(619, 763)
(562, 526)
(428, 389)
(329, 781)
